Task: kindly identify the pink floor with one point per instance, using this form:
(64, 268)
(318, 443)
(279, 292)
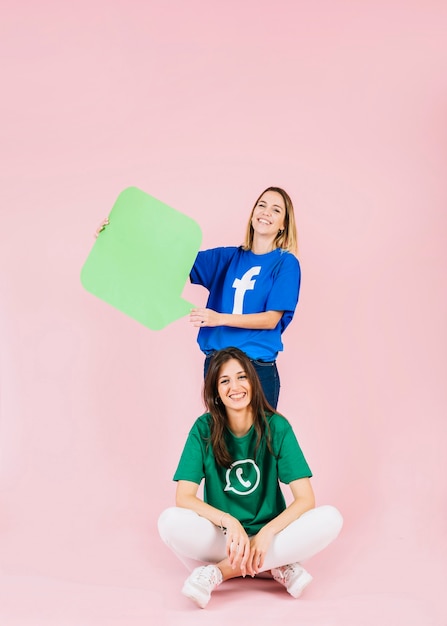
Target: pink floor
(396, 583)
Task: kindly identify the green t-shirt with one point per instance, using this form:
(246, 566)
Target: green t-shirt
(249, 490)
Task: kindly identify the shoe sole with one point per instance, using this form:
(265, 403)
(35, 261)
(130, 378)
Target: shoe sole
(301, 583)
(193, 594)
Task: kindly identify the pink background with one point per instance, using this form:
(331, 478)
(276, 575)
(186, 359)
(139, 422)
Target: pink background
(203, 104)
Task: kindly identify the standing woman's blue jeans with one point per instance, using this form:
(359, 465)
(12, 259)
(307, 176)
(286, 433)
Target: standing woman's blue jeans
(268, 375)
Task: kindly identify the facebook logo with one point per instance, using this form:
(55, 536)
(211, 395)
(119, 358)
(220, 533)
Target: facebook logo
(241, 285)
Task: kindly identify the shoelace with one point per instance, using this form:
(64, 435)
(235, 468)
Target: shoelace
(204, 577)
(289, 571)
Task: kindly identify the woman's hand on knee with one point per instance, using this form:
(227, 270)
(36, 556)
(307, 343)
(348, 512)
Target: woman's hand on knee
(238, 544)
(259, 545)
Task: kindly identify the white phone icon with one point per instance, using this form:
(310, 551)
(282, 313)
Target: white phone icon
(244, 483)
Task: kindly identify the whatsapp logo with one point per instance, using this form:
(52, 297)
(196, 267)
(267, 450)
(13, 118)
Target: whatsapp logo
(242, 477)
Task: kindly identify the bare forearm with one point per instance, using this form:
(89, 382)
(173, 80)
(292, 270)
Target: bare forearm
(266, 320)
(201, 508)
(290, 514)
(263, 321)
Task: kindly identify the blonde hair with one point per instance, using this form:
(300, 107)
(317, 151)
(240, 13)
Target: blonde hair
(286, 239)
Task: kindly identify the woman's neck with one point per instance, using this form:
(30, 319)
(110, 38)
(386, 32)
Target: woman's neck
(240, 422)
(262, 245)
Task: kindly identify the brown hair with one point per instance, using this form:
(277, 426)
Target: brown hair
(259, 405)
(287, 239)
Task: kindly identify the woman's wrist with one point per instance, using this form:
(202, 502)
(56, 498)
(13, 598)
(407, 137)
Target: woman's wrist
(269, 529)
(222, 527)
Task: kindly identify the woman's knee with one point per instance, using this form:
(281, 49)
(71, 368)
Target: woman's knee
(331, 517)
(326, 518)
(171, 519)
(165, 522)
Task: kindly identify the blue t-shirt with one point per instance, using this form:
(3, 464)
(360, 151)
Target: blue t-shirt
(240, 281)
(249, 490)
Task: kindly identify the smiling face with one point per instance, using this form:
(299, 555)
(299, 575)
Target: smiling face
(233, 386)
(269, 214)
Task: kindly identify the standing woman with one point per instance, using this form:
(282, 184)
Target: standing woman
(242, 449)
(253, 289)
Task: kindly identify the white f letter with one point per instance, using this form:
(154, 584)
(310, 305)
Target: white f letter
(241, 285)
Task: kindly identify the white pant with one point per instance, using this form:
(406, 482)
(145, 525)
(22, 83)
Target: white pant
(197, 541)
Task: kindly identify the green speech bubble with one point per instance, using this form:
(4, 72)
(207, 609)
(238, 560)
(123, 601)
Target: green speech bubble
(141, 261)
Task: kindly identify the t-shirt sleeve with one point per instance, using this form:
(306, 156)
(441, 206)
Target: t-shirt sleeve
(292, 464)
(191, 464)
(209, 265)
(285, 290)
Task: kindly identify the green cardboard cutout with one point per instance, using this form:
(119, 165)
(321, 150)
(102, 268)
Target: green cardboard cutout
(141, 261)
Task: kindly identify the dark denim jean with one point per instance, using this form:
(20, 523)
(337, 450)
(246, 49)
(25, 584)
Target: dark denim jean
(268, 375)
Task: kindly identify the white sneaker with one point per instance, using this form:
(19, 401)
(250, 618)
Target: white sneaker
(201, 583)
(293, 577)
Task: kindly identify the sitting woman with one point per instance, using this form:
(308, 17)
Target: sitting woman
(242, 449)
